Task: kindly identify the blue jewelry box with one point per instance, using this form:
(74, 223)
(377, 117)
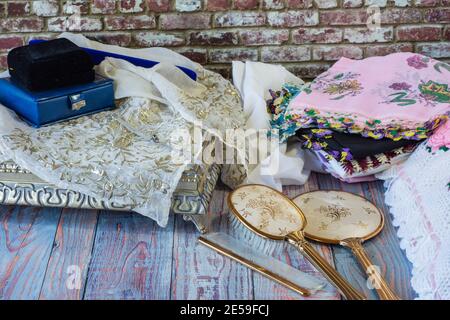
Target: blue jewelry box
(45, 107)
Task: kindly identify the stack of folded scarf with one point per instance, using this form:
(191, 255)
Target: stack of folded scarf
(361, 116)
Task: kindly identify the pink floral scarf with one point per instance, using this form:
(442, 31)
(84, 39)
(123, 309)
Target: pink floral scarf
(399, 96)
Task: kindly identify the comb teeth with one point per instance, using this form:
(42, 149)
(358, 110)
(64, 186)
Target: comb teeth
(239, 231)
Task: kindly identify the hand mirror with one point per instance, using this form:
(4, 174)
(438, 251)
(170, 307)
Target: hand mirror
(338, 217)
(272, 215)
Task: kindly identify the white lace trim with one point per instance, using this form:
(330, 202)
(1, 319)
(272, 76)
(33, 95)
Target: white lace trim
(419, 200)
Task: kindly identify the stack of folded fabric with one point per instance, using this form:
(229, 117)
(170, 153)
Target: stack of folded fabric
(362, 116)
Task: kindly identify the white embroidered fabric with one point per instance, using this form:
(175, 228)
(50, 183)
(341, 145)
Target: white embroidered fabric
(419, 198)
(3, 157)
(125, 155)
(253, 80)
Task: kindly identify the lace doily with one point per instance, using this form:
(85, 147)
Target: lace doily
(419, 198)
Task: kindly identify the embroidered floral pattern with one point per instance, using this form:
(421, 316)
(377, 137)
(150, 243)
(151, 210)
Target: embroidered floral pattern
(335, 212)
(339, 86)
(418, 62)
(433, 91)
(429, 93)
(400, 86)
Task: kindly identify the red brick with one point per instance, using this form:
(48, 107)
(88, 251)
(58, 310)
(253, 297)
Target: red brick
(197, 55)
(10, 42)
(21, 25)
(218, 5)
(446, 35)
(434, 50)
(230, 54)
(285, 54)
(3, 62)
(158, 5)
(224, 71)
(159, 39)
(377, 3)
(127, 6)
(2, 9)
(427, 3)
(309, 70)
(17, 9)
(294, 18)
(76, 7)
(174, 21)
(400, 15)
(352, 3)
(45, 8)
(118, 39)
(344, 17)
(42, 36)
(326, 4)
(130, 22)
(366, 35)
(437, 15)
(264, 36)
(273, 4)
(246, 4)
(188, 5)
(330, 53)
(419, 33)
(60, 24)
(299, 4)
(385, 49)
(103, 6)
(214, 38)
(317, 35)
(239, 19)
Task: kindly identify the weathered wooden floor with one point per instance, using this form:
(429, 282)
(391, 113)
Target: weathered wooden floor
(76, 254)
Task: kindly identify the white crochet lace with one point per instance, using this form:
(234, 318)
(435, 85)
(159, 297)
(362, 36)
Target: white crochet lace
(419, 198)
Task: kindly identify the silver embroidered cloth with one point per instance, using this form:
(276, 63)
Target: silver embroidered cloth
(125, 155)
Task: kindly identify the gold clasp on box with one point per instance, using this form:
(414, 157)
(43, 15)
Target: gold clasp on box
(79, 104)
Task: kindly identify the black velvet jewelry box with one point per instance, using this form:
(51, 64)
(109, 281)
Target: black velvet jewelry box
(50, 65)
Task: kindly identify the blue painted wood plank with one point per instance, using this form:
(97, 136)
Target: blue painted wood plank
(384, 250)
(26, 240)
(131, 259)
(399, 277)
(69, 261)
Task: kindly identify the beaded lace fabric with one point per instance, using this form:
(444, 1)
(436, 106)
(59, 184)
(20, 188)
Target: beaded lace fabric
(126, 155)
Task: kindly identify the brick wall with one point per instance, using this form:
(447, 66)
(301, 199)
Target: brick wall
(305, 35)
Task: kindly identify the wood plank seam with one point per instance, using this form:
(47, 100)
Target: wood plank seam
(49, 257)
(85, 282)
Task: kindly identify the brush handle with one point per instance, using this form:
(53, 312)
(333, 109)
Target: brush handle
(380, 285)
(298, 240)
